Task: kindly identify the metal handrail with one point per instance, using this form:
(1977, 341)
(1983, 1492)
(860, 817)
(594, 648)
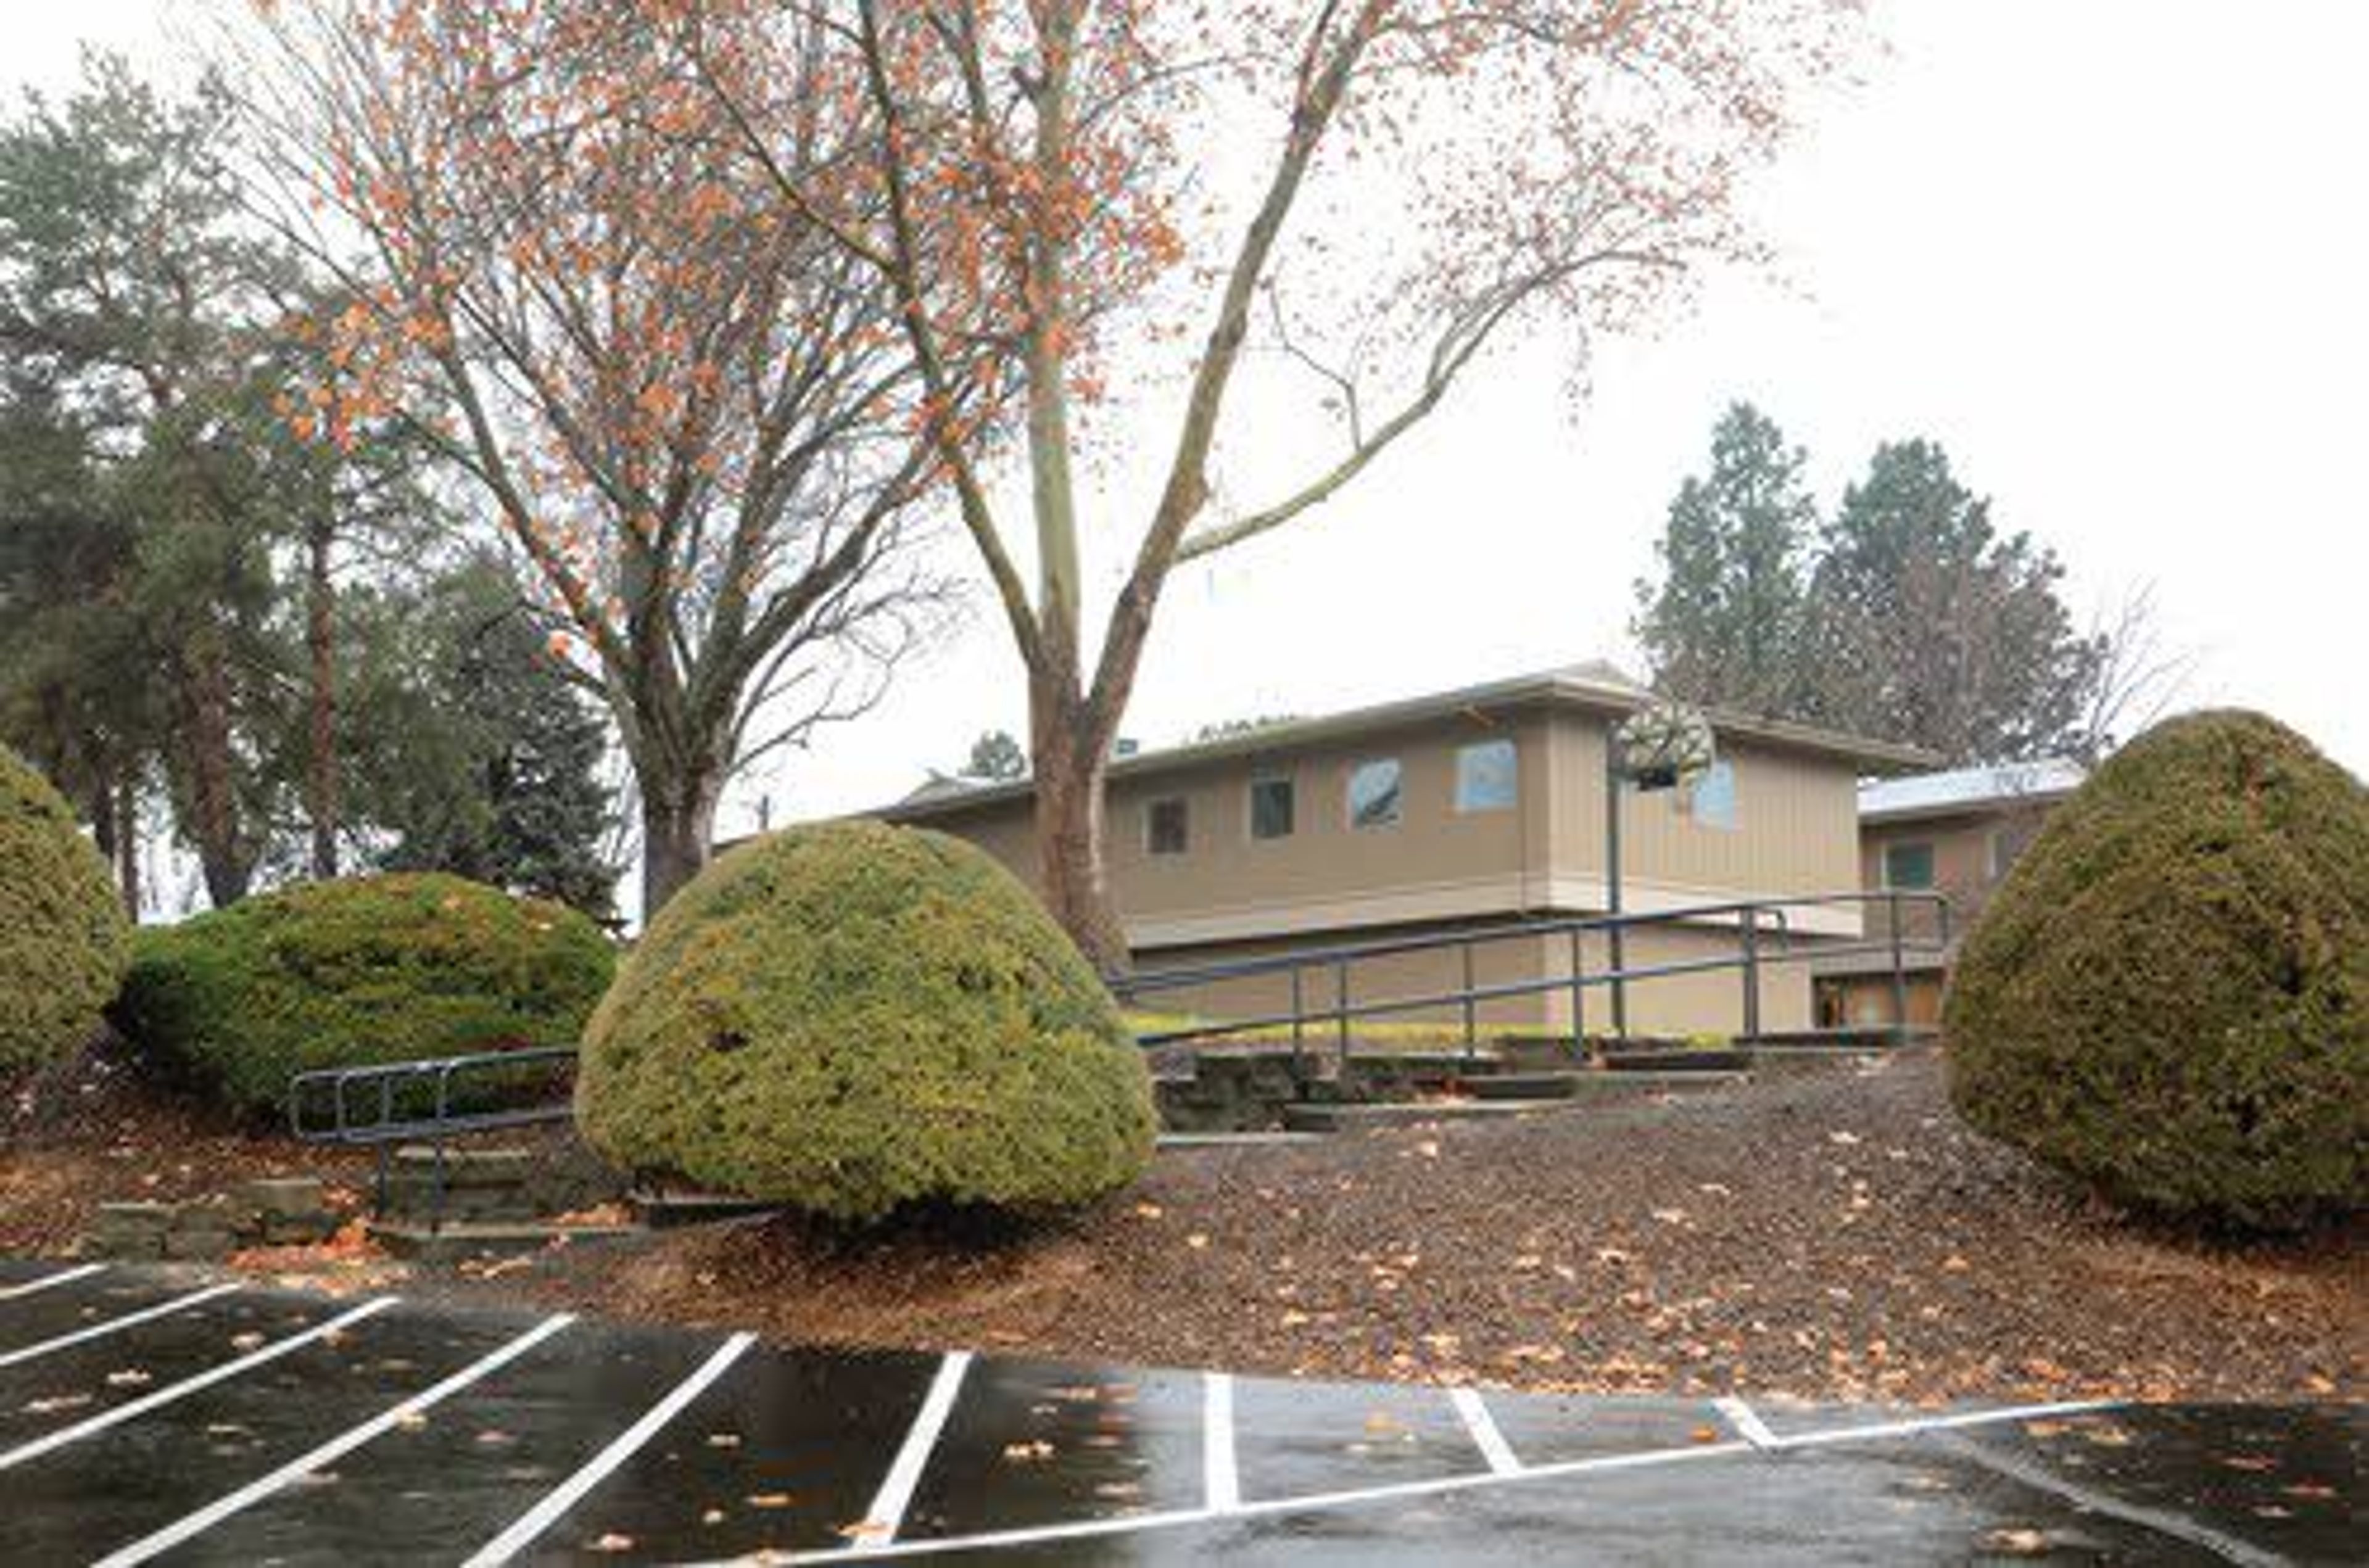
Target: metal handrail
(387, 1130)
(1751, 916)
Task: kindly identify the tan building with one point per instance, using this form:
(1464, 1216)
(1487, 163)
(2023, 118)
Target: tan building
(1955, 833)
(1470, 810)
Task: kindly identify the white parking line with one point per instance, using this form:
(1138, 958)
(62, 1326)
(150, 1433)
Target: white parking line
(63, 1277)
(114, 1325)
(1483, 1428)
(887, 1515)
(1747, 1423)
(188, 1385)
(1221, 1482)
(568, 1493)
(345, 1442)
(2228, 1547)
(1314, 1502)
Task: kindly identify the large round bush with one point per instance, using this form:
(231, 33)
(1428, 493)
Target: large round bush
(63, 938)
(848, 1018)
(2169, 995)
(371, 969)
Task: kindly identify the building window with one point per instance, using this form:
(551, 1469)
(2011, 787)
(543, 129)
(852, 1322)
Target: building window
(1487, 776)
(1271, 808)
(1712, 798)
(1908, 867)
(1375, 797)
(1164, 826)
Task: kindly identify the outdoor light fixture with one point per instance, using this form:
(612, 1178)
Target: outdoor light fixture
(1664, 746)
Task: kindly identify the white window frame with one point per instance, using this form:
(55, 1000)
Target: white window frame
(1151, 815)
(1349, 794)
(1934, 861)
(1290, 782)
(1512, 802)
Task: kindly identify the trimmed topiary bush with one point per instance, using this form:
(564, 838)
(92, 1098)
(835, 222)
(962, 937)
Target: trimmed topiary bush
(365, 970)
(2169, 995)
(850, 1017)
(63, 938)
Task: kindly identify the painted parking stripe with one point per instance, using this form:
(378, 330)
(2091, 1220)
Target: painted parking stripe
(336, 1447)
(1747, 1423)
(2227, 1547)
(1916, 1426)
(887, 1515)
(1483, 1428)
(114, 1325)
(63, 1277)
(568, 1494)
(171, 1392)
(1441, 1485)
(1222, 1482)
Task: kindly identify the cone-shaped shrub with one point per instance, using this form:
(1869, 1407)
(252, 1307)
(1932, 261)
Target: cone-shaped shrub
(2168, 996)
(63, 938)
(849, 1018)
(348, 973)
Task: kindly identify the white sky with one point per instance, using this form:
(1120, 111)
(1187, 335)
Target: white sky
(2111, 254)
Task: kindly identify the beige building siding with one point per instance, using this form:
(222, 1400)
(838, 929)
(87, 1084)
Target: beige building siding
(1229, 895)
(1796, 826)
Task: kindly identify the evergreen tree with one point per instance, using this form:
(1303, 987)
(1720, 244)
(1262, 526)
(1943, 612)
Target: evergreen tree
(1930, 626)
(1725, 623)
(996, 755)
(472, 750)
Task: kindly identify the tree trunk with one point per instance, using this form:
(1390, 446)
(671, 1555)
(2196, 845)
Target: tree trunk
(214, 795)
(1070, 756)
(127, 842)
(320, 642)
(677, 834)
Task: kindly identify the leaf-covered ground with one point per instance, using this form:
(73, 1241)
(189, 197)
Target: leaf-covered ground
(1836, 1237)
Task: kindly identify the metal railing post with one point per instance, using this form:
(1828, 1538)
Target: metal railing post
(1578, 993)
(1298, 1029)
(1470, 1012)
(1750, 917)
(1899, 976)
(1340, 1009)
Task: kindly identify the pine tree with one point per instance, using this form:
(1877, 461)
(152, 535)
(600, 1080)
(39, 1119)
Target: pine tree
(1723, 625)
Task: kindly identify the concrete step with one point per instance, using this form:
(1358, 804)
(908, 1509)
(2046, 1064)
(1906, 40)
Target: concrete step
(418, 1244)
(1858, 1036)
(1411, 1113)
(1532, 1085)
(1676, 1058)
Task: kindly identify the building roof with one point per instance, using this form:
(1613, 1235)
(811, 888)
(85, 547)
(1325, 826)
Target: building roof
(1595, 686)
(1969, 789)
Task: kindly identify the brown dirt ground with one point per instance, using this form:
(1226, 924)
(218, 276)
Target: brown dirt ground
(1838, 1236)
(93, 1131)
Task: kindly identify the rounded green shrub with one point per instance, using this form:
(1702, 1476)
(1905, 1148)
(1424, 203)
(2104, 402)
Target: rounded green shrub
(2168, 996)
(355, 972)
(849, 1018)
(63, 938)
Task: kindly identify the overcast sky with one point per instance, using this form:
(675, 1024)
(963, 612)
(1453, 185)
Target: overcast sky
(2112, 256)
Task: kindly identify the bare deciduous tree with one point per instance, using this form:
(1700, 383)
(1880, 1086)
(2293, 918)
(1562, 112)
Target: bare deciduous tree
(691, 409)
(1044, 186)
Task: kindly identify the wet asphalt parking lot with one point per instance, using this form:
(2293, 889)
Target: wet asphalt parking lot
(147, 1416)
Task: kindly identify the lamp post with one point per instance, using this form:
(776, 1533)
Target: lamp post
(1655, 747)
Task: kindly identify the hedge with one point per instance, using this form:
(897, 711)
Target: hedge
(2168, 996)
(63, 938)
(851, 1018)
(371, 969)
